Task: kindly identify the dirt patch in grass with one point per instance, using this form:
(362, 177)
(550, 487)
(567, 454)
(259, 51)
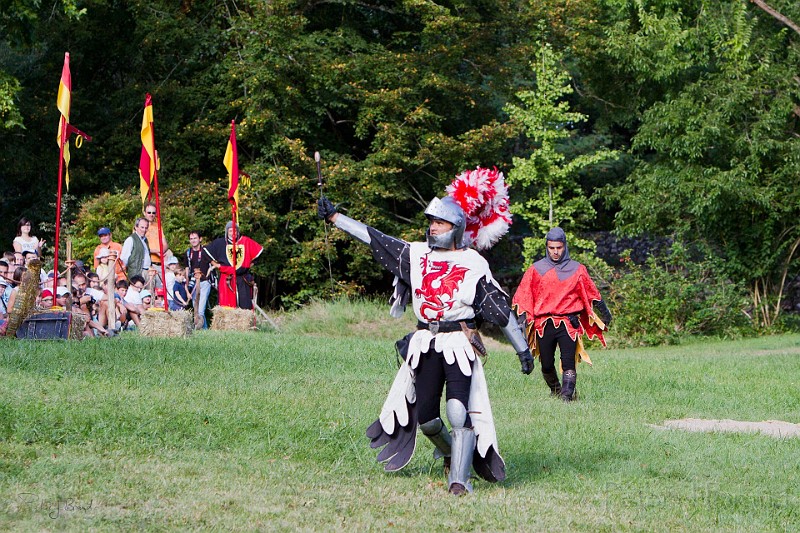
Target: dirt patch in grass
(773, 428)
(779, 351)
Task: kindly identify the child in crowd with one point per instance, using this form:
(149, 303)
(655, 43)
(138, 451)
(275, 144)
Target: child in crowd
(180, 294)
(103, 268)
(147, 299)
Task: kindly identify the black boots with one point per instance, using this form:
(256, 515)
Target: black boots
(568, 389)
(551, 378)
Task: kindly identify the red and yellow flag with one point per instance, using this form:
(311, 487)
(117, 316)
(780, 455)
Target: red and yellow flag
(231, 162)
(63, 103)
(148, 161)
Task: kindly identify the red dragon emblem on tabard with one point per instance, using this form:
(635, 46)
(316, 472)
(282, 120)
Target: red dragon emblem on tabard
(442, 280)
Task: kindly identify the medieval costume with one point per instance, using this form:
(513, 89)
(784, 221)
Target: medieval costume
(452, 291)
(221, 251)
(556, 298)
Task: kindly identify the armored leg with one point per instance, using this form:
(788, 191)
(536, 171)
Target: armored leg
(437, 433)
(461, 461)
(462, 449)
(568, 390)
(551, 378)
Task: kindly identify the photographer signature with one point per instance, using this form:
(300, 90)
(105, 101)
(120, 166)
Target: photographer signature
(53, 507)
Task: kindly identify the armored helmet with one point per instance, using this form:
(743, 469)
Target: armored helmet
(448, 210)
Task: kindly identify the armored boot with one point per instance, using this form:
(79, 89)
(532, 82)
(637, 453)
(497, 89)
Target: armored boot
(461, 461)
(551, 378)
(568, 390)
(437, 433)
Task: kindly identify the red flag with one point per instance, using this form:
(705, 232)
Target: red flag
(148, 162)
(63, 102)
(231, 162)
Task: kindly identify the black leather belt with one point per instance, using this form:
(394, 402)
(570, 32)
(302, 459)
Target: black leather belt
(444, 326)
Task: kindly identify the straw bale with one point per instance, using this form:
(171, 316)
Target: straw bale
(160, 323)
(233, 319)
(26, 297)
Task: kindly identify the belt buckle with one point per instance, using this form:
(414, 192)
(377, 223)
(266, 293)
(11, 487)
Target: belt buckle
(433, 327)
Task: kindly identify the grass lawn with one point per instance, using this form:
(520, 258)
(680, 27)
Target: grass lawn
(265, 431)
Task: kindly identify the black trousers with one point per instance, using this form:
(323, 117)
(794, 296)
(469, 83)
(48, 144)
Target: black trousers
(432, 374)
(552, 337)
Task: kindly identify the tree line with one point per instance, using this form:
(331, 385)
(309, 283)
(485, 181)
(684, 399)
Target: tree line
(634, 116)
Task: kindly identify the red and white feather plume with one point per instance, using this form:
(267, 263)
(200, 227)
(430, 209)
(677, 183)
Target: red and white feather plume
(483, 195)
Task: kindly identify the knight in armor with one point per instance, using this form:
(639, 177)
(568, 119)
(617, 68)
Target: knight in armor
(221, 253)
(557, 298)
(452, 291)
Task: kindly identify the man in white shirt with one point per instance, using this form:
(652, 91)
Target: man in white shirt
(135, 255)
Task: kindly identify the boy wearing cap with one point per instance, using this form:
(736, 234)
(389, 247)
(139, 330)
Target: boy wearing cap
(169, 282)
(147, 299)
(46, 299)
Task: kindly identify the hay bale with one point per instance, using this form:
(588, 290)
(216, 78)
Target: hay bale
(160, 323)
(233, 319)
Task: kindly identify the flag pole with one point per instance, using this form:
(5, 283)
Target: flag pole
(234, 208)
(63, 128)
(158, 221)
(65, 131)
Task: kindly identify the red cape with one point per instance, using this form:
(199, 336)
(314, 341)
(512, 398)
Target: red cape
(546, 297)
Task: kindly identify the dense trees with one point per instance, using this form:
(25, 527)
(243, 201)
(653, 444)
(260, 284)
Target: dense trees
(700, 98)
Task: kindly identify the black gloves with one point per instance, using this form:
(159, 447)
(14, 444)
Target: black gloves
(526, 360)
(325, 209)
(605, 314)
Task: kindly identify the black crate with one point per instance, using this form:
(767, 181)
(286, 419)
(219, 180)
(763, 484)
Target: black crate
(43, 326)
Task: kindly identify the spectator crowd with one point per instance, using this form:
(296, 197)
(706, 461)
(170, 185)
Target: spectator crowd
(119, 283)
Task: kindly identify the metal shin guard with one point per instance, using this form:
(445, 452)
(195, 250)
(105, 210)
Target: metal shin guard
(568, 389)
(461, 461)
(437, 433)
(551, 378)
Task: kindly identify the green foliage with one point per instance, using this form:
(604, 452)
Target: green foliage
(9, 114)
(397, 101)
(548, 181)
(670, 298)
(718, 150)
(18, 18)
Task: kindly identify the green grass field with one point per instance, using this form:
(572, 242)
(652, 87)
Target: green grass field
(265, 431)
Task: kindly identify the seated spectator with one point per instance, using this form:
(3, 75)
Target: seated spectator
(180, 292)
(28, 256)
(80, 282)
(5, 291)
(16, 279)
(92, 328)
(133, 299)
(93, 279)
(46, 299)
(120, 310)
(19, 259)
(147, 299)
(8, 257)
(171, 268)
(119, 297)
(24, 241)
(61, 297)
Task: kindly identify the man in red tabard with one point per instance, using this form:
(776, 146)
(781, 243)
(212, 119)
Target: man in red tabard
(221, 253)
(557, 297)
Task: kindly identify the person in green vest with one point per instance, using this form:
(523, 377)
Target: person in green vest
(135, 255)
